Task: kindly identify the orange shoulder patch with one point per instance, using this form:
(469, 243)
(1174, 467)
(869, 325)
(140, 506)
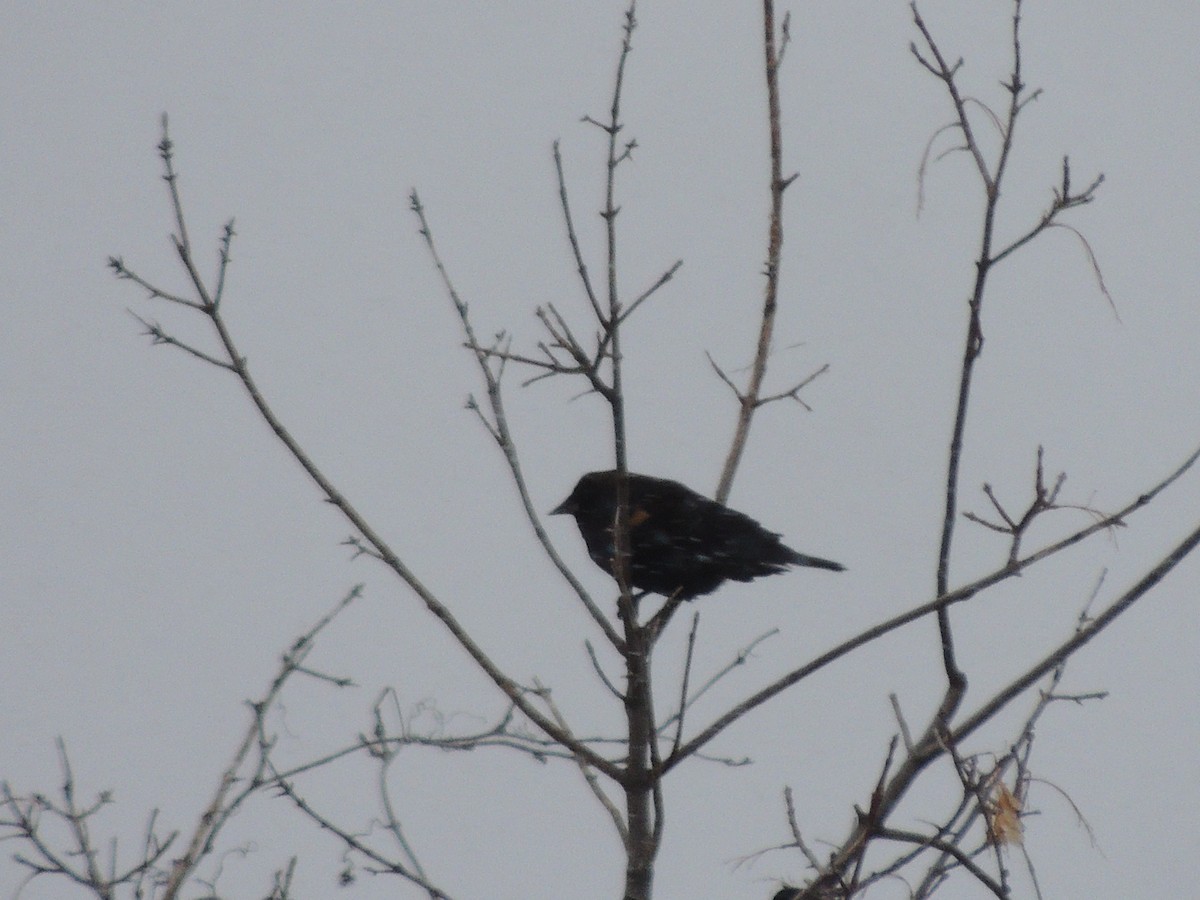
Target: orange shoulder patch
(638, 516)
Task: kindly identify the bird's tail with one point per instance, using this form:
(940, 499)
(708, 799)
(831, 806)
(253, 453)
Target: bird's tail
(799, 559)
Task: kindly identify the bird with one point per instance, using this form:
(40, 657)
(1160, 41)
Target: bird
(681, 543)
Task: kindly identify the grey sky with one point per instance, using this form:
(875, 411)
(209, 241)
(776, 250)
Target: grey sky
(158, 550)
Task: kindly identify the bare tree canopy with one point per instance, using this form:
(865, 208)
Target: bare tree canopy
(870, 288)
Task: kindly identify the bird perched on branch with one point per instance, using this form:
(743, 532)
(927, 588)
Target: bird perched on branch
(680, 542)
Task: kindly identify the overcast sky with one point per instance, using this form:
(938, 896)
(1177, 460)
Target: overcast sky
(158, 549)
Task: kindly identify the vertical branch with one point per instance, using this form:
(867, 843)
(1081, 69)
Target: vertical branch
(614, 126)
(643, 807)
(973, 344)
(748, 402)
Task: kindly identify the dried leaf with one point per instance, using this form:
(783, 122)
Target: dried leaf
(1004, 817)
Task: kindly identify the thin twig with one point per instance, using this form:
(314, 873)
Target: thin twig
(683, 682)
(905, 734)
(501, 433)
(646, 294)
(740, 658)
(605, 680)
(1085, 634)
(576, 251)
(790, 807)
(589, 775)
(950, 849)
(370, 537)
(749, 398)
(958, 595)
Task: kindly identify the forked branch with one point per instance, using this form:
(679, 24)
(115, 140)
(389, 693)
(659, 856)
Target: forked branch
(209, 304)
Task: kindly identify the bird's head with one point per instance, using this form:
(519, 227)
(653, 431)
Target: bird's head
(594, 491)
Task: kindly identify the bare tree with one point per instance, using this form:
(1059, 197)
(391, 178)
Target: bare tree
(625, 773)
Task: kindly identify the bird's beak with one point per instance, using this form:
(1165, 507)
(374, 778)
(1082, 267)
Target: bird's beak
(565, 508)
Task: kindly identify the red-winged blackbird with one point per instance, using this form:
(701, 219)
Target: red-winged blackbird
(679, 541)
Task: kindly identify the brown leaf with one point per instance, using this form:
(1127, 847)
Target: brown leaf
(1004, 817)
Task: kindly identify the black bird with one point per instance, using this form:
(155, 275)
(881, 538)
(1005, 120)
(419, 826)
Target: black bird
(680, 542)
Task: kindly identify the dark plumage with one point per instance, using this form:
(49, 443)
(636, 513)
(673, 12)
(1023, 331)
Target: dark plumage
(680, 541)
